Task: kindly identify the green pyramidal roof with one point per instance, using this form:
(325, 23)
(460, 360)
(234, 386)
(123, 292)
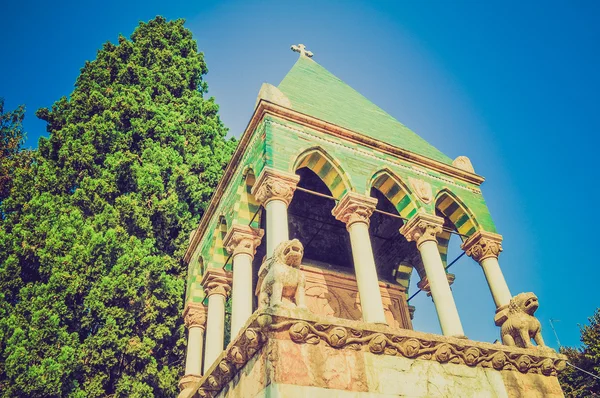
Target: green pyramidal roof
(314, 91)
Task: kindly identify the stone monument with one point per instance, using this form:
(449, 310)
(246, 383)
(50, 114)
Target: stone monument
(327, 207)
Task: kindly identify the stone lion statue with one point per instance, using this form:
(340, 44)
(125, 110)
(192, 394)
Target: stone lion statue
(520, 325)
(280, 280)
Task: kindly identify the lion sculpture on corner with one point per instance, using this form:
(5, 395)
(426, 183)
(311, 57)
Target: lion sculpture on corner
(520, 325)
(280, 280)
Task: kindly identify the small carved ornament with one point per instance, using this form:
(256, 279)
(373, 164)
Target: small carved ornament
(520, 326)
(463, 163)
(280, 279)
(422, 189)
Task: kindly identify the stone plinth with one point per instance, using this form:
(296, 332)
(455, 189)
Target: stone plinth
(292, 353)
(335, 294)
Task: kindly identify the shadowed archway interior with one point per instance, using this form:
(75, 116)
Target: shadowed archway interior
(325, 239)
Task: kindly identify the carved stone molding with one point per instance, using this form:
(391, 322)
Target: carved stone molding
(230, 362)
(422, 227)
(194, 315)
(305, 328)
(443, 350)
(422, 189)
(482, 245)
(216, 281)
(243, 239)
(274, 184)
(423, 284)
(354, 207)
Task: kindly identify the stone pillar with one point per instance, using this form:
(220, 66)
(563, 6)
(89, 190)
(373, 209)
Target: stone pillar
(274, 189)
(355, 210)
(194, 317)
(484, 247)
(241, 241)
(423, 228)
(217, 285)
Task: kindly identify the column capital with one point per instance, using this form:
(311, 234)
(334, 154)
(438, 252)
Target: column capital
(482, 245)
(423, 284)
(422, 227)
(274, 184)
(354, 207)
(242, 239)
(194, 315)
(216, 281)
(188, 381)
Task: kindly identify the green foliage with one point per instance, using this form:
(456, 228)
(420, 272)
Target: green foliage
(11, 138)
(576, 383)
(91, 280)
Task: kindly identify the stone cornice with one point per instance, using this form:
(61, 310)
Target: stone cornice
(354, 207)
(194, 315)
(422, 227)
(303, 327)
(267, 108)
(482, 245)
(243, 239)
(216, 281)
(273, 184)
(355, 137)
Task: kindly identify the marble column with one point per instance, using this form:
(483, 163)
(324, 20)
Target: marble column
(484, 247)
(274, 189)
(423, 228)
(241, 242)
(194, 316)
(355, 211)
(217, 285)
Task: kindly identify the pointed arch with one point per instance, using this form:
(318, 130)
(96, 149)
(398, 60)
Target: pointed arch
(327, 168)
(452, 208)
(397, 192)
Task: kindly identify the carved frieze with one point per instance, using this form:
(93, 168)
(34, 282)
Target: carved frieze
(422, 227)
(358, 336)
(353, 208)
(274, 184)
(453, 351)
(482, 245)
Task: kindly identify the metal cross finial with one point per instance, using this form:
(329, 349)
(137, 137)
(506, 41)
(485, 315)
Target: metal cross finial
(301, 48)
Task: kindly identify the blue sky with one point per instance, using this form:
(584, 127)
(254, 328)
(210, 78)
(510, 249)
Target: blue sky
(513, 86)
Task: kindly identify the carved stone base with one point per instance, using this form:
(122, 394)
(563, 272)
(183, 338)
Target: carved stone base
(291, 352)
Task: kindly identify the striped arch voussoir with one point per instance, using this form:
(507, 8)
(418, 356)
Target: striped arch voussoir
(396, 192)
(458, 214)
(328, 170)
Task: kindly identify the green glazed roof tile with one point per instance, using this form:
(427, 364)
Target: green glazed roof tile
(314, 91)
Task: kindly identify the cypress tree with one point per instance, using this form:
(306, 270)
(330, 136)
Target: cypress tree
(93, 234)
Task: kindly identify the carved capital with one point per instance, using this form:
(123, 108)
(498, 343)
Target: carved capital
(354, 207)
(216, 281)
(423, 284)
(482, 245)
(194, 316)
(422, 227)
(243, 239)
(273, 184)
(188, 381)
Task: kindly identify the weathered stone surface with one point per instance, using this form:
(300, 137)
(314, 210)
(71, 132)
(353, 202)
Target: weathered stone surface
(289, 352)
